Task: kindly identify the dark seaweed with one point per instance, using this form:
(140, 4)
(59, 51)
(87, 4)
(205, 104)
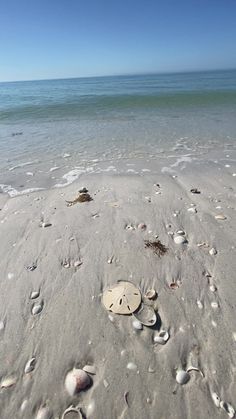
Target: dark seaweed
(157, 247)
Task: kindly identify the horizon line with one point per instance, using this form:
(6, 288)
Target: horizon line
(123, 75)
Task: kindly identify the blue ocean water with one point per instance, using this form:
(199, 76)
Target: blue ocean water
(77, 123)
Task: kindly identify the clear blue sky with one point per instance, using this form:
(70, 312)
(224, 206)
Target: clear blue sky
(72, 38)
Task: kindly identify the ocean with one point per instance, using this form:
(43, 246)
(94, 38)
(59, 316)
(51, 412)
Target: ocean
(52, 131)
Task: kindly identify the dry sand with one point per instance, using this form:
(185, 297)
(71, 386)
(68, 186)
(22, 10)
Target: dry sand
(74, 329)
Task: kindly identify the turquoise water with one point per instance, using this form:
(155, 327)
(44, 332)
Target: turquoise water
(108, 119)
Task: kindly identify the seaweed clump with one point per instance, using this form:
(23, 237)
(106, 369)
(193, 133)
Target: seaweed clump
(158, 248)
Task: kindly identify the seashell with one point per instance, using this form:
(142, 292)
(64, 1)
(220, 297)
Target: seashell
(180, 239)
(131, 366)
(213, 251)
(130, 227)
(24, 405)
(31, 267)
(105, 383)
(36, 309)
(44, 225)
(150, 294)
(228, 408)
(199, 304)
(30, 365)
(214, 304)
(72, 409)
(90, 369)
(195, 191)
(76, 380)
(44, 413)
(137, 325)
(191, 368)
(142, 226)
(10, 275)
(192, 210)
(77, 263)
(220, 217)
(180, 233)
(122, 298)
(212, 288)
(34, 294)
(90, 409)
(2, 325)
(8, 382)
(182, 377)
(146, 315)
(162, 337)
(174, 285)
(215, 399)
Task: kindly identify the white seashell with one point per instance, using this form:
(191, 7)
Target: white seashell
(199, 304)
(228, 408)
(214, 304)
(8, 382)
(220, 217)
(192, 210)
(131, 366)
(30, 365)
(182, 377)
(151, 294)
(129, 227)
(90, 369)
(179, 239)
(191, 368)
(44, 225)
(105, 383)
(76, 380)
(213, 251)
(137, 325)
(77, 263)
(180, 233)
(36, 309)
(212, 288)
(146, 315)
(24, 405)
(215, 399)
(90, 409)
(162, 337)
(2, 325)
(10, 275)
(34, 294)
(43, 413)
(72, 409)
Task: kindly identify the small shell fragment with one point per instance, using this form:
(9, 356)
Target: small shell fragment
(30, 365)
(131, 366)
(76, 380)
(214, 304)
(182, 377)
(36, 309)
(162, 337)
(150, 294)
(137, 325)
(44, 413)
(213, 251)
(146, 315)
(228, 408)
(8, 382)
(216, 399)
(34, 294)
(220, 217)
(44, 225)
(90, 369)
(179, 239)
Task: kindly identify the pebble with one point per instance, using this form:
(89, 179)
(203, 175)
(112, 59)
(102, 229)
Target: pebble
(137, 325)
(182, 377)
(212, 288)
(131, 366)
(34, 294)
(180, 233)
(213, 251)
(179, 239)
(36, 309)
(30, 365)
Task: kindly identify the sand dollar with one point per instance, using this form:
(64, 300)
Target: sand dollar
(122, 298)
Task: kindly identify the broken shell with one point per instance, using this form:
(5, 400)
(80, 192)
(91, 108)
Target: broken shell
(180, 233)
(8, 382)
(44, 225)
(77, 263)
(199, 304)
(44, 413)
(213, 251)
(214, 304)
(192, 210)
(30, 365)
(174, 285)
(162, 337)
(228, 408)
(34, 294)
(90, 369)
(130, 227)
(24, 405)
(212, 288)
(76, 380)
(182, 377)
(150, 294)
(36, 309)
(131, 366)
(72, 409)
(142, 226)
(179, 239)
(191, 368)
(215, 399)
(137, 325)
(122, 298)
(146, 315)
(220, 217)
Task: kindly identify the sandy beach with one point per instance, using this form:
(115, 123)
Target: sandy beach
(88, 247)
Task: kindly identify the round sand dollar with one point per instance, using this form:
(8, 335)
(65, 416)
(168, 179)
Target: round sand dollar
(122, 298)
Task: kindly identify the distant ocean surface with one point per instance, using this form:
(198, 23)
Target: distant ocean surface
(52, 131)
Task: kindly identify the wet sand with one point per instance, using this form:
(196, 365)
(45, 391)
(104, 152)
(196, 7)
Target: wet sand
(71, 272)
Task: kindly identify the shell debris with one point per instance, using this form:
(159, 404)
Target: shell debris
(30, 365)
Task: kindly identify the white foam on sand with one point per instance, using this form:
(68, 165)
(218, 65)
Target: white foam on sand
(28, 163)
(73, 175)
(14, 192)
(52, 169)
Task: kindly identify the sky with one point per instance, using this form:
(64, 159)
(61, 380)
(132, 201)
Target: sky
(43, 39)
